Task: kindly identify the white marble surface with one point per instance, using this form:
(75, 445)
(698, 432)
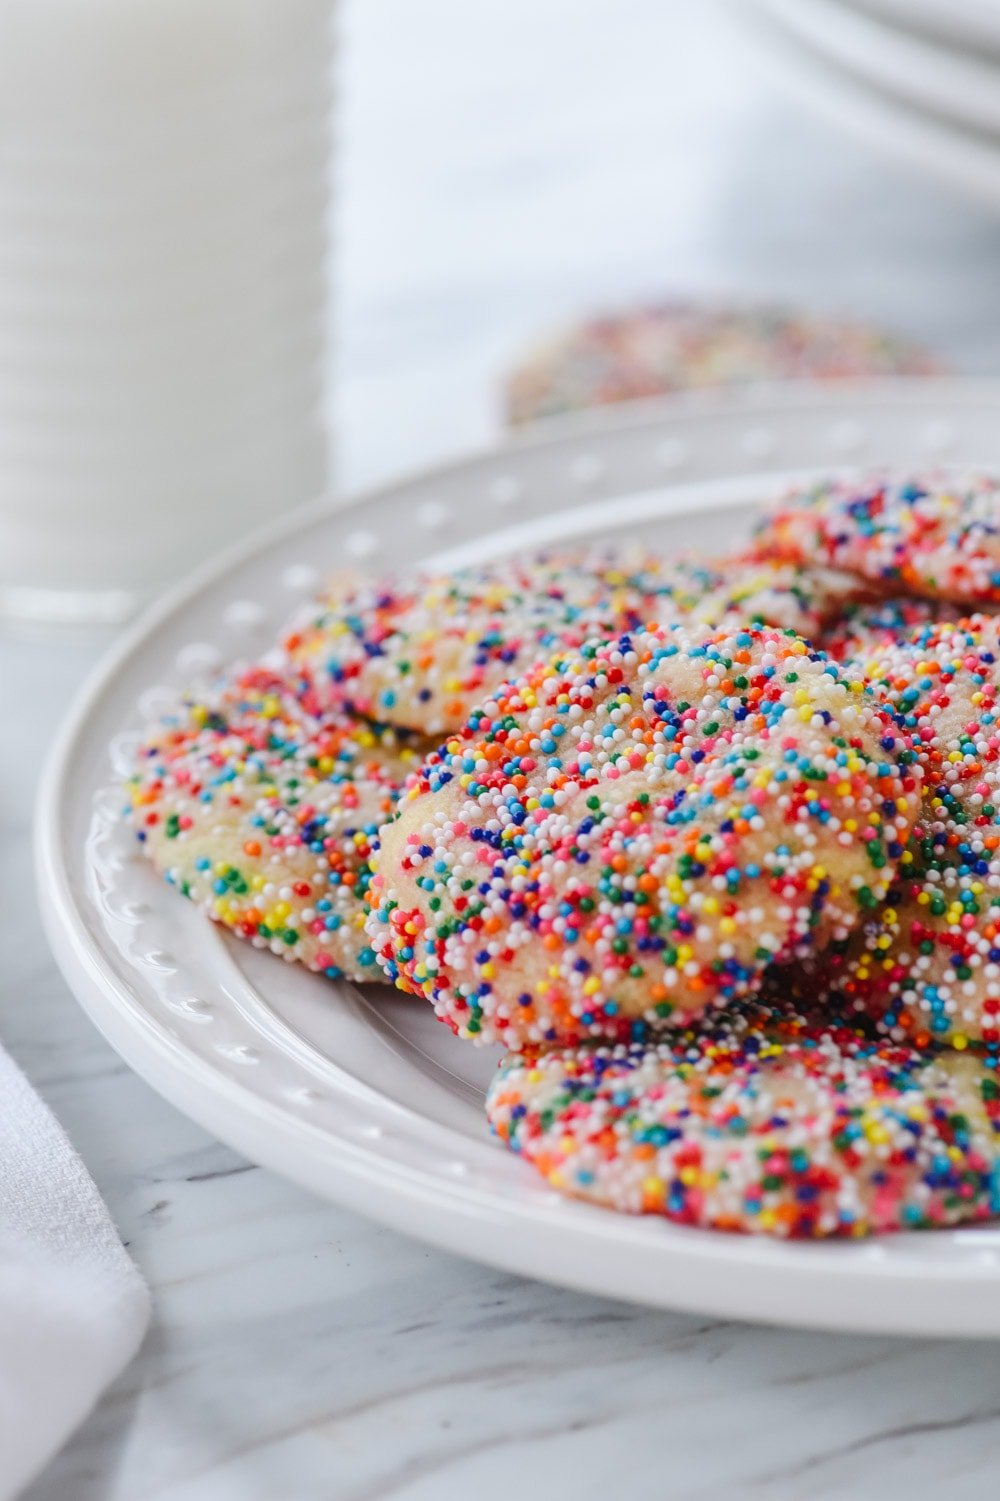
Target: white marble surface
(505, 164)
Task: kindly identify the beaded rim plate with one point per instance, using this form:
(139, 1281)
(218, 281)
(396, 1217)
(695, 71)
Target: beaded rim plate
(359, 1094)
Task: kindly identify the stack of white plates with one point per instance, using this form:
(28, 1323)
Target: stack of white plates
(163, 204)
(921, 77)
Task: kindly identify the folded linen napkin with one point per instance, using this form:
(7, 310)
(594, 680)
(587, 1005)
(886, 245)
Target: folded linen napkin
(73, 1308)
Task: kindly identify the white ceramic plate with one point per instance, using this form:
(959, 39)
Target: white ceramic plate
(888, 97)
(970, 25)
(953, 85)
(362, 1095)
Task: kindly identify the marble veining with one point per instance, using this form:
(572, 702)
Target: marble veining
(539, 157)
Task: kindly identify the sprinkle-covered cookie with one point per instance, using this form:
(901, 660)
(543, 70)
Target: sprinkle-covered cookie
(421, 652)
(631, 833)
(265, 817)
(934, 535)
(864, 627)
(747, 589)
(763, 1123)
(678, 345)
(928, 961)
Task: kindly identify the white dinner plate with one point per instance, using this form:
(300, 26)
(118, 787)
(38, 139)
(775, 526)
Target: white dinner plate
(936, 80)
(964, 25)
(360, 1094)
(888, 97)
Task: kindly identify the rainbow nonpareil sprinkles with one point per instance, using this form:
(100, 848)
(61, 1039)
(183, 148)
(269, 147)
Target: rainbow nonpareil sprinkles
(933, 535)
(763, 1122)
(927, 962)
(633, 832)
(265, 817)
(678, 345)
(421, 652)
(863, 627)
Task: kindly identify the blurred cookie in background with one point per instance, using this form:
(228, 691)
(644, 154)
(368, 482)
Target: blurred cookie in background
(680, 345)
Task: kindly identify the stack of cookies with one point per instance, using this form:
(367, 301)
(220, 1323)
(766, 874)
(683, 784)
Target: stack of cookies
(709, 847)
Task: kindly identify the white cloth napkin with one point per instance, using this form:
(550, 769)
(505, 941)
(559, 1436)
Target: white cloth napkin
(73, 1308)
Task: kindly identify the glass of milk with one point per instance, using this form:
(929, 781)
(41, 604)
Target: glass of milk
(164, 171)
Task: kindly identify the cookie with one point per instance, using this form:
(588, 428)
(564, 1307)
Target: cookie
(927, 963)
(747, 589)
(265, 817)
(932, 535)
(675, 346)
(633, 832)
(864, 627)
(421, 652)
(764, 1123)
